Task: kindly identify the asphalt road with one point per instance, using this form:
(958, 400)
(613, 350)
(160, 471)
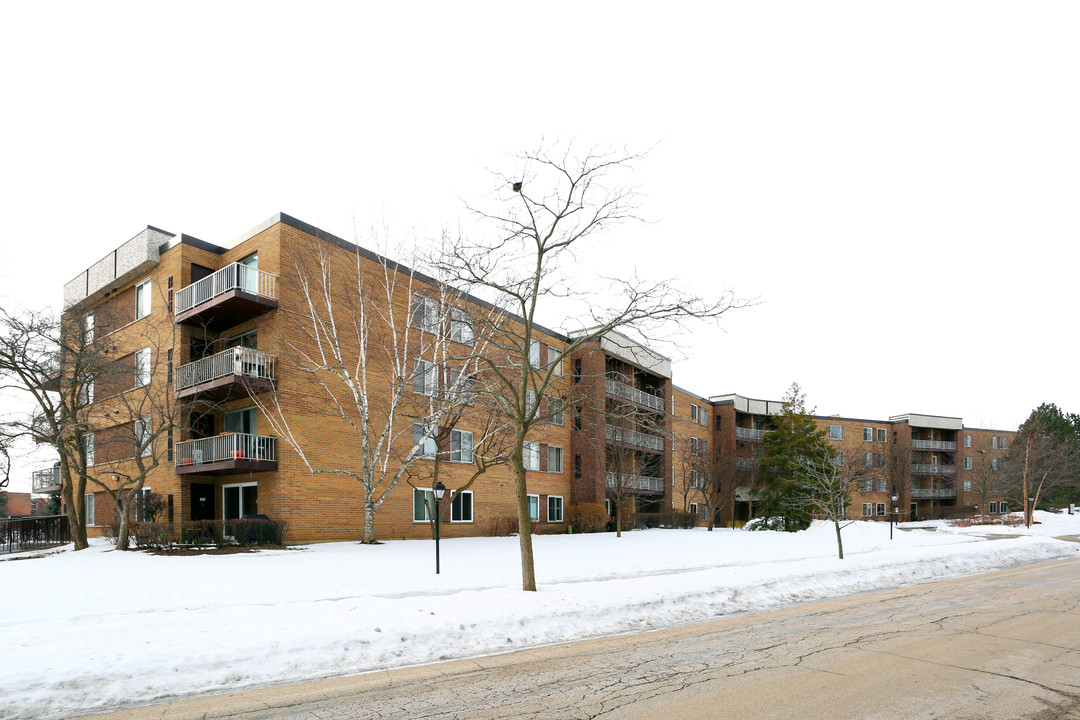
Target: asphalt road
(1000, 645)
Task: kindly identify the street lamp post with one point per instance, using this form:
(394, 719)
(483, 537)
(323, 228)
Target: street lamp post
(439, 490)
(892, 515)
(734, 510)
(1030, 510)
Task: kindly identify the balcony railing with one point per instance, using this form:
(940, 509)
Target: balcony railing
(621, 389)
(749, 433)
(633, 437)
(924, 469)
(231, 277)
(226, 453)
(746, 463)
(232, 363)
(635, 482)
(47, 478)
(933, 445)
(933, 493)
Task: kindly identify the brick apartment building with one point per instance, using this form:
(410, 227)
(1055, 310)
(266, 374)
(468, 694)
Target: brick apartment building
(206, 328)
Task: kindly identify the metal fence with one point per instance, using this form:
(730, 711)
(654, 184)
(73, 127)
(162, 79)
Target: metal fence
(231, 277)
(33, 533)
(228, 446)
(234, 361)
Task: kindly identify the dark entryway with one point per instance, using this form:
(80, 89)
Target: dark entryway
(202, 501)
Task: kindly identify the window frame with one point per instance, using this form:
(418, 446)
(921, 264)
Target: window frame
(143, 358)
(457, 505)
(882, 435)
(143, 299)
(530, 455)
(880, 509)
(424, 313)
(534, 504)
(460, 452)
(558, 505)
(555, 453)
(419, 430)
(89, 509)
(868, 434)
(461, 327)
(836, 432)
(425, 374)
(868, 509)
(429, 507)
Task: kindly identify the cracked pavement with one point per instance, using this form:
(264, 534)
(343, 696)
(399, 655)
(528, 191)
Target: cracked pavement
(999, 645)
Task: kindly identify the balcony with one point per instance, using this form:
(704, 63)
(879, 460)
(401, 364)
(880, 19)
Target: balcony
(232, 295)
(742, 433)
(746, 463)
(635, 482)
(46, 481)
(924, 469)
(933, 493)
(633, 437)
(939, 445)
(228, 374)
(226, 454)
(621, 389)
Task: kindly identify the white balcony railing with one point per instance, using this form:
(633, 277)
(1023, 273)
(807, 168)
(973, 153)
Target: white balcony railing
(932, 493)
(231, 277)
(635, 482)
(621, 389)
(746, 463)
(234, 361)
(224, 447)
(633, 437)
(933, 445)
(749, 433)
(924, 469)
(49, 477)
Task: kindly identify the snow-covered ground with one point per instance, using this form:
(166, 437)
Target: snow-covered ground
(97, 630)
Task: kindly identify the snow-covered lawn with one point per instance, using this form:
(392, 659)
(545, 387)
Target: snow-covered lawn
(97, 630)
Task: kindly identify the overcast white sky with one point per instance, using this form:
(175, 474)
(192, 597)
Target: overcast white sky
(897, 183)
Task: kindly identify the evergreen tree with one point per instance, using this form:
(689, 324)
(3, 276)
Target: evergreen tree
(793, 444)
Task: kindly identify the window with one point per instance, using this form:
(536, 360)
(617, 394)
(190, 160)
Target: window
(425, 378)
(994, 442)
(88, 447)
(694, 449)
(693, 508)
(88, 329)
(994, 464)
(693, 412)
(881, 509)
(868, 434)
(554, 361)
(534, 353)
(1003, 507)
(86, 392)
(1002, 443)
(555, 411)
(425, 313)
(703, 417)
(879, 484)
(430, 447)
(534, 507)
(461, 507)
(866, 485)
(836, 432)
(555, 459)
(88, 501)
(967, 441)
(881, 435)
(554, 508)
(461, 328)
(461, 446)
(967, 463)
(530, 400)
(142, 367)
(868, 459)
(967, 486)
(423, 505)
(838, 459)
(140, 505)
(141, 432)
(695, 479)
(577, 466)
(993, 507)
(880, 459)
(531, 455)
(142, 299)
(868, 509)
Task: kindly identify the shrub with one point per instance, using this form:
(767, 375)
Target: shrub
(502, 526)
(153, 535)
(203, 532)
(257, 531)
(587, 517)
(642, 521)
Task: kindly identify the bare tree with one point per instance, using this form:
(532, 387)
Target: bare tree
(556, 202)
(1043, 457)
(53, 364)
(375, 342)
(824, 488)
(629, 473)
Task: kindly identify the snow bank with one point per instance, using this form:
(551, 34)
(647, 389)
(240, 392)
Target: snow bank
(97, 630)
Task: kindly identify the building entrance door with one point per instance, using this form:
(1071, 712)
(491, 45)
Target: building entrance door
(202, 501)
